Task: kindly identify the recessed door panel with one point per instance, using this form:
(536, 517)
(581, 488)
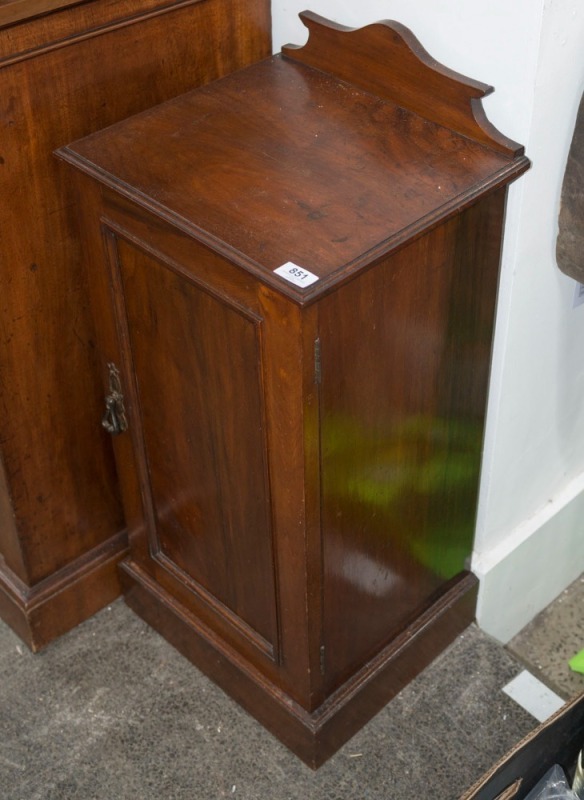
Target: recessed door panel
(196, 359)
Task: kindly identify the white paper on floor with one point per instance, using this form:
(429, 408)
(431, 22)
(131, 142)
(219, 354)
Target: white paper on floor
(534, 696)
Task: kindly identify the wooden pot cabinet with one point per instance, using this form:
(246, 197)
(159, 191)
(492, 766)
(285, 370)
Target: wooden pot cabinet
(66, 69)
(294, 273)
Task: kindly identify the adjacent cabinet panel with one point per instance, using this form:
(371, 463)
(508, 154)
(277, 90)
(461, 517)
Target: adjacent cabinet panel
(66, 70)
(294, 272)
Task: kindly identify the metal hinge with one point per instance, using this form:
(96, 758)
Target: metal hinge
(317, 362)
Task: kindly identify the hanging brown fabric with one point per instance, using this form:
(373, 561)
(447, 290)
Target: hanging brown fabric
(570, 243)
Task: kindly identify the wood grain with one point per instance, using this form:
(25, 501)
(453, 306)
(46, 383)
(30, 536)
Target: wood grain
(229, 177)
(387, 60)
(301, 471)
(405, 354)
(12, 11)
(63, 75)
(208, 491)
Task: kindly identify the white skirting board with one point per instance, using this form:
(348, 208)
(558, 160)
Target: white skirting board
(532, 567)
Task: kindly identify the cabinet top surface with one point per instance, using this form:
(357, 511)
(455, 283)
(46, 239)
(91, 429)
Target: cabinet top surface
(281, 162)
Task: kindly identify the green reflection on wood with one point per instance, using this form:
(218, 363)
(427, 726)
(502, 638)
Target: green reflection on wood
(416, 480)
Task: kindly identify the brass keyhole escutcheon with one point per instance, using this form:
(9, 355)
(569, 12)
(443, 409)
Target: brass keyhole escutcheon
(114, 420)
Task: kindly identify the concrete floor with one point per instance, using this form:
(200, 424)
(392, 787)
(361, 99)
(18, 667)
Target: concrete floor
(112, 712)
(553, 638)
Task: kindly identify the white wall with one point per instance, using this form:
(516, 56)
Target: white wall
(530, 537)
(530, 540)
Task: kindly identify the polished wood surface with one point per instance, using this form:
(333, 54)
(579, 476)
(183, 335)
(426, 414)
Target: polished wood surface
(405, 362)
(301, 467)
(285, 375)
(313, 737)
(233, 174)
(196, 361)
(12, 11)
(388, 61)
(64, 74)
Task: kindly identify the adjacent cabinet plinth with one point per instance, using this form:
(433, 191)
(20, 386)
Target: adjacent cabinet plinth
(301, 466)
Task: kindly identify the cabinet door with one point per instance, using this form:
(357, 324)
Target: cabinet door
(193, 367)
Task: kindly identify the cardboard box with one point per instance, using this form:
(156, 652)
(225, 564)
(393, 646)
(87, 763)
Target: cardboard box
(557, 741)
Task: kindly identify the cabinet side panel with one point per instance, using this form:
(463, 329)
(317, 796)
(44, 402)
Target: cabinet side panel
(198, 375)
(405, 361)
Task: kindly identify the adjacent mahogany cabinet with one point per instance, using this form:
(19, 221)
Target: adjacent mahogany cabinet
(293, 272)
(66, 69)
